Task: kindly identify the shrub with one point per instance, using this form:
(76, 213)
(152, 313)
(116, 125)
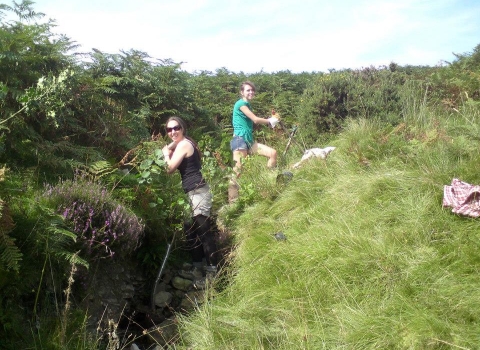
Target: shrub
(103, 225)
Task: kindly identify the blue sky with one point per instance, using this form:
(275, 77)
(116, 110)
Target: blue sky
(273, 35)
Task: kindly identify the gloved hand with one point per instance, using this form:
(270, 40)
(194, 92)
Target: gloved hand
(273, 121)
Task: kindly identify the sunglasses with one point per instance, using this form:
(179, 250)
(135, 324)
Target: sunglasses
(176, 128)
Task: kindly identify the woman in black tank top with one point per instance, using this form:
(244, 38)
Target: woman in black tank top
(183, 155)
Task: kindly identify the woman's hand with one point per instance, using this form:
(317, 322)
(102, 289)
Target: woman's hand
(172, 146)
(167, 152)
(173, 158)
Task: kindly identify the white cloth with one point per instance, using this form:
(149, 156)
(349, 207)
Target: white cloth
(273, 121)
(314, 153)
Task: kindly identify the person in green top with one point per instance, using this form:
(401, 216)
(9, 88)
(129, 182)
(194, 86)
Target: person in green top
(243, 143)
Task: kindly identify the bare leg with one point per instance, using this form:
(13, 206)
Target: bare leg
(266, 151)
(238, 155)
(233, 185)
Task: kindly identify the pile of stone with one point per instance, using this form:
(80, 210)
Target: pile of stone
(123, 310)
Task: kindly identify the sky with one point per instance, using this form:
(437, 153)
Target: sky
(252, 36)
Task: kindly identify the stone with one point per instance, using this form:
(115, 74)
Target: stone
(182, 283)
(191, 300)
(161, 286)
(191, 274)
(280, 236)
(163, 299)
(167, 277)
(284, 178)
(134, 347)
(165, 333)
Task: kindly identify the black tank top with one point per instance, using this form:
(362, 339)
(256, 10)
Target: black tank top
(190, 171)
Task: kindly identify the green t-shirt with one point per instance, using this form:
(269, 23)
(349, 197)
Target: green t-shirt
(242, 125)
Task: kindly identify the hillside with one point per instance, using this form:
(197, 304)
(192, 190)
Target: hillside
(371, 259)
(88, 212)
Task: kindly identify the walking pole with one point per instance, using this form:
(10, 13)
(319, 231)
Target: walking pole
(284, 128)
(290, 139)
(152, 302)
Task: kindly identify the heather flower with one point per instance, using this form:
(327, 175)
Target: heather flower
(102, 224)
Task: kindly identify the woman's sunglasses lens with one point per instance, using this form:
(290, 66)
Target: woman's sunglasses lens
(176, 128)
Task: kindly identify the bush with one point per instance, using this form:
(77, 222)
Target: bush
(103, 225)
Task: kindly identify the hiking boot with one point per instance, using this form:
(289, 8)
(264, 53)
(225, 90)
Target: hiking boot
(233, 189)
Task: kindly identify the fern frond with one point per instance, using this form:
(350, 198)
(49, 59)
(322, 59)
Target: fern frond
(62, 231)
(72, 258)
(10, 255)
(59, 237)
(55, 225)
(101, 168)
(109, 91)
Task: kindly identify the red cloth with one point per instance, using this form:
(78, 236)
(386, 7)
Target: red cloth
(463, 198)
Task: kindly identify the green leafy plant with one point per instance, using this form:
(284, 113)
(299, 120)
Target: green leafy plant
(10, 255)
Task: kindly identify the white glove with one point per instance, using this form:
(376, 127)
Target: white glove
(273, 121)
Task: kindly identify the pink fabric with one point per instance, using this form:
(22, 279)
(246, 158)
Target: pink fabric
(463, 198)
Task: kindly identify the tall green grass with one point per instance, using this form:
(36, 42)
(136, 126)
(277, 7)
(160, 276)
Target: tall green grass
(371, 259)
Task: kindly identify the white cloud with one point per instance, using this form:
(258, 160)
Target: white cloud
(248, 35)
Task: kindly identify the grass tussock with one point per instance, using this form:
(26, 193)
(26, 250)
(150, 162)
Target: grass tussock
(371, 259)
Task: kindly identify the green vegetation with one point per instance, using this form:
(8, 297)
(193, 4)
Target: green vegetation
(371, 259)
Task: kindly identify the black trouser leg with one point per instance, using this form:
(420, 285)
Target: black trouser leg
(194, 244)
(207, 238)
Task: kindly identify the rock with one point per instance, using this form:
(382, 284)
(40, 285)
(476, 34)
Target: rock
(165, 333)
(182, 283)
(134, 347)
(280, 236)
(284, 177)
(192, 299)
(163, 299)
(161, 286)
(128, 291)
(167, 277)
(191, 274)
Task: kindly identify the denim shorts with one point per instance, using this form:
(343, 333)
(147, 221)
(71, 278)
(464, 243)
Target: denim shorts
(238, 144)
